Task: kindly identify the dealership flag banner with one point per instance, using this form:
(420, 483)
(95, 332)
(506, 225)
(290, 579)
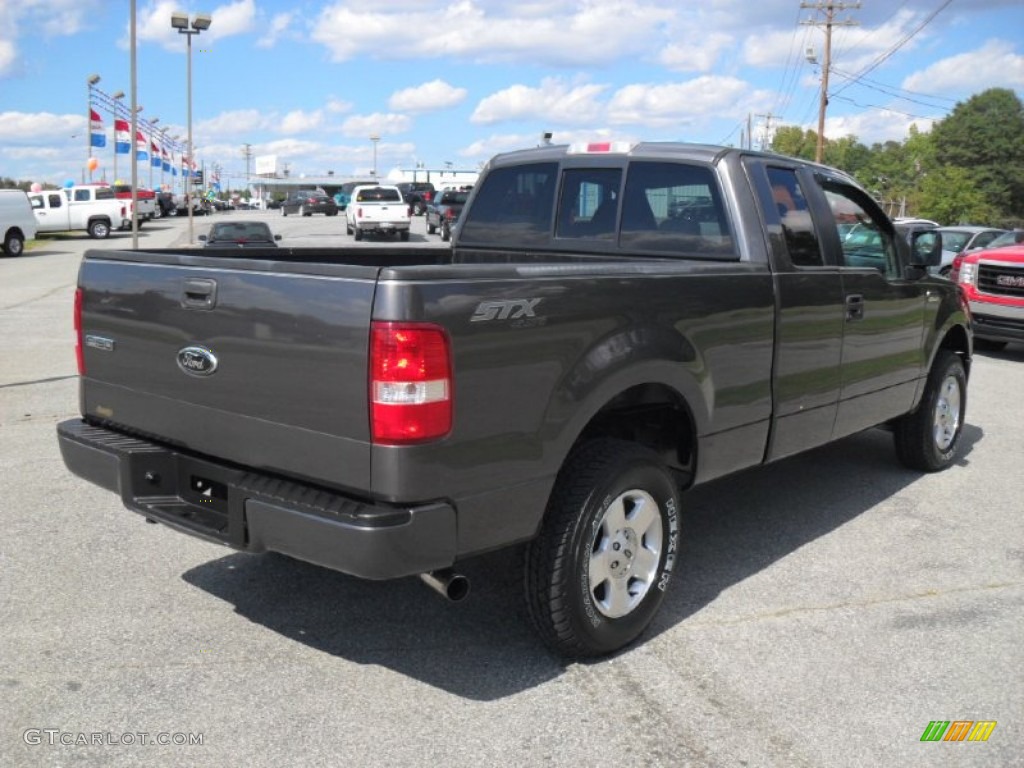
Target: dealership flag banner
(122, 137)
(155, 150)
(165, 160)
(99, 138)
(140, 147)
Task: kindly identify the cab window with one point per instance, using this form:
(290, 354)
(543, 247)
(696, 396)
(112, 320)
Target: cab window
(589, 203)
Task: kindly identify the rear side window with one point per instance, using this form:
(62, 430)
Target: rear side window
(675, 208)
(795, 215)
(513, 206)
(105, 193)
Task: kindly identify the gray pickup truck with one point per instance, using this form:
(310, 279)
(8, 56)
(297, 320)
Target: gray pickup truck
(612, 325)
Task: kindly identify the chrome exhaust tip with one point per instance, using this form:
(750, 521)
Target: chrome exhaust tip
(447, 583)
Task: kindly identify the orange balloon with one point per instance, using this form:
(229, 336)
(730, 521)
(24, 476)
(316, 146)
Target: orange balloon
(93, 164)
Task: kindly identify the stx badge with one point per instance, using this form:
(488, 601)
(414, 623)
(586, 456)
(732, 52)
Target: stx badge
(513, 309)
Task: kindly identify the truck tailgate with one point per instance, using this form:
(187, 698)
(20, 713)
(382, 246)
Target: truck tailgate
(259, 363)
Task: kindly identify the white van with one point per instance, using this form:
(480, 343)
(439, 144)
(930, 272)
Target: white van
(17, 223)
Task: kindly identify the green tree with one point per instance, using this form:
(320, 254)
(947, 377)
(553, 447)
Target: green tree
(791, 141)
(949, 195)
(985, 137)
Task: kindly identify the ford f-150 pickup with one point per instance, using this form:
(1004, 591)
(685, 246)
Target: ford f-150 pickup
(612, 325)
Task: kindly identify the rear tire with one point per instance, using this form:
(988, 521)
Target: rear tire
(597, 572)
(431, 228)
(404, 234)
(98, 229)
(14, 244)
(446, 232)
(927, 439)
(357, 233)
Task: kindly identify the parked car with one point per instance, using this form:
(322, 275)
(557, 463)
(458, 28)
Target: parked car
(17, 222)
(444, 211)
(240, 234)
(992, 281)
(418, 195)
(963, 238)
(306, 202)
(377, 209)
(1010, 237)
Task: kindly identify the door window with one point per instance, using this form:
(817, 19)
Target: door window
(864, 238)
(589, 203)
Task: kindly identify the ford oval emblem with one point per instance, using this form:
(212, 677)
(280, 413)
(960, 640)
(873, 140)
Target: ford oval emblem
(197, 361)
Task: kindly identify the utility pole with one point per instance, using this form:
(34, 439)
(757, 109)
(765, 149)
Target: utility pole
(830, 9)
(766, 136)
(247, 154)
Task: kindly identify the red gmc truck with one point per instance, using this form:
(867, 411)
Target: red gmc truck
(993, 282)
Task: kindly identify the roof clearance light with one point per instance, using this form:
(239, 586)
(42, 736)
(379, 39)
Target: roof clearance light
(601, 148)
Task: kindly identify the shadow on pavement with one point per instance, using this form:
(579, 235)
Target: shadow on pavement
(484, 649)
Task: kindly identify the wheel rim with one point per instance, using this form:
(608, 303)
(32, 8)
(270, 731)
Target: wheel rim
(946, 423)
(625, 553)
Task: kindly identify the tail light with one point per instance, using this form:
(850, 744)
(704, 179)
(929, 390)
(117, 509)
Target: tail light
(79, 353)
(410, 383)
(449, 214)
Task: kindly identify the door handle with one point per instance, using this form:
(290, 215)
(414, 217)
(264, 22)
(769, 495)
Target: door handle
(199, 293)
(854, 307)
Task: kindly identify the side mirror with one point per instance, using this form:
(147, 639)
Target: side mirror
(926, 248)
(202, 237)
(277, 237)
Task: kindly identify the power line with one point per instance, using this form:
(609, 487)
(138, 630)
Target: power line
(882, 58)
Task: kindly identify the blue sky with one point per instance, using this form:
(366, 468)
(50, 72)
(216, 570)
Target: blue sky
(309, 81)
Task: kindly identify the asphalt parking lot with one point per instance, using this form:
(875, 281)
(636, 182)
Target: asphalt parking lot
(826, 609)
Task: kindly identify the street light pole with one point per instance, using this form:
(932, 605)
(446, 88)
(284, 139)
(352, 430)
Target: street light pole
(90, 82)
(375, 138)
(179, 21)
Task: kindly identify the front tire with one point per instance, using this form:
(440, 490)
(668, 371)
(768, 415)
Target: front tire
(597, 572)
(927, 439)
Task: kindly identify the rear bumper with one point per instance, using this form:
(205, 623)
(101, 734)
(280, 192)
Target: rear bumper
(256, 512)
(376, 226)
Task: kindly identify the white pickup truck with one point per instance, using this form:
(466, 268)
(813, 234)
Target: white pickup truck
(377, 208)
(93, 209)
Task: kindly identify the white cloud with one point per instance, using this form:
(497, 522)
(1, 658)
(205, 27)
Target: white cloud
(873, 127)
(298, 121)
(153, 24)
(437, 94)
(994, 64)
(279, 26)
(554, 102)
(673, 104)
(8, 55)
(699, 54)
(23, 127)
(376, 124)
(494, 31)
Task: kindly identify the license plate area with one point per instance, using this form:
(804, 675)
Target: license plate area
(188, 493)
